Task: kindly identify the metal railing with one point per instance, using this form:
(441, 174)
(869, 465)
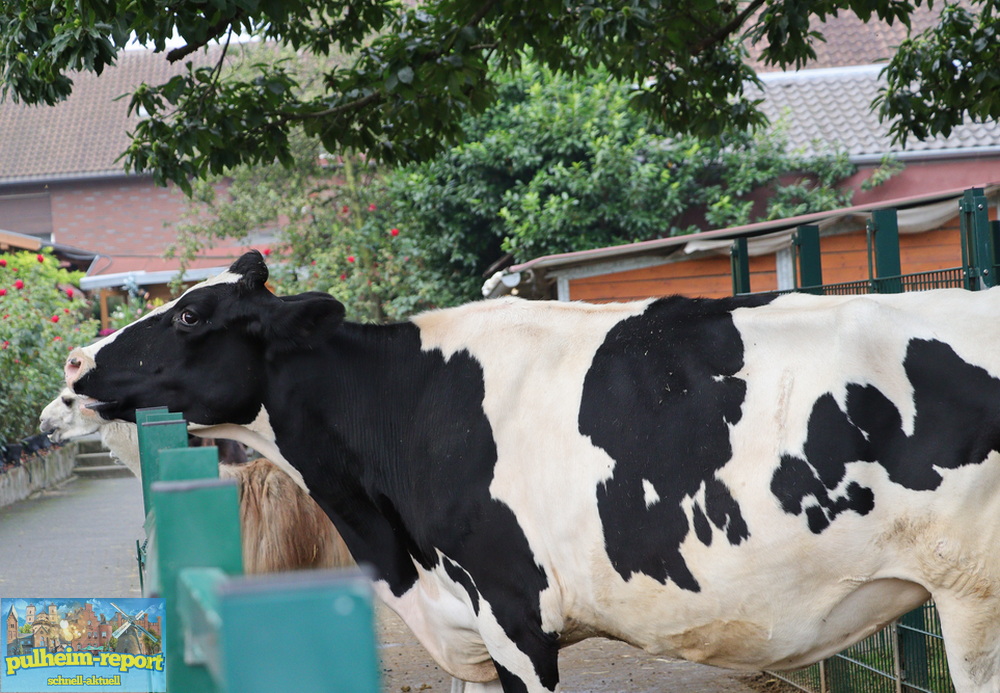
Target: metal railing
(907, 657)
(952, 277)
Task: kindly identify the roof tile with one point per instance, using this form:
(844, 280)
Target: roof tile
(85, 134)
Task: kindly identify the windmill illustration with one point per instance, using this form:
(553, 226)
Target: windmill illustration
(127, 633)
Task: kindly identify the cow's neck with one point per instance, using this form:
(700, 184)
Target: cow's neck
(382, 421)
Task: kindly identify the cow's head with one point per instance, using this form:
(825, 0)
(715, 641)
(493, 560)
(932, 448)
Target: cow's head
(205, 353)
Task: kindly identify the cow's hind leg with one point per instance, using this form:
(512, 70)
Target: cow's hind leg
(971, 628)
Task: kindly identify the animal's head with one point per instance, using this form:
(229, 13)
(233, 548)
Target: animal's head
(203, 354)
(66, 417)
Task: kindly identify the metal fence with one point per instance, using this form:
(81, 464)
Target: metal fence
(907, 657)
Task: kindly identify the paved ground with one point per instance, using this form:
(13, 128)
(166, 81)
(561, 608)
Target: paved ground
(74, 540)
(593, 666)
(78, 540)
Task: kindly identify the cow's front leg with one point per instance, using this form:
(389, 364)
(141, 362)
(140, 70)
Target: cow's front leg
(526, 657)
(460, 686)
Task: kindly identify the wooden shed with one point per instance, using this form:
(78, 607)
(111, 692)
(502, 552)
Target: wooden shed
(700, 264)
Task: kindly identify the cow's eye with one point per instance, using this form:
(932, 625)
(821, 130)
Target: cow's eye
(187, 318)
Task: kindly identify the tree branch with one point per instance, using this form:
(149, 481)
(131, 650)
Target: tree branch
(734, 24)
(214, 32)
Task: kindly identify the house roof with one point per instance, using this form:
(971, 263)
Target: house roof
(824, 107)
(83, 136)
(851, 41)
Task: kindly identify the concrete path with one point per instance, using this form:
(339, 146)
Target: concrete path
(73, 540)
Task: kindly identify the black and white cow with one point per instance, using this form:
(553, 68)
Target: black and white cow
(748, 482)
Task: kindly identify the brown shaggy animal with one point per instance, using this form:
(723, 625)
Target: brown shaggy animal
(274, 508)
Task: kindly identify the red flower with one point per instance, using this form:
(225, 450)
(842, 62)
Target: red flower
(57, 338)
(343, 277)
(3, 292)
(40, 257)
(55, 318)
(345, 209)
(266, 251)
(3, 263)
(372, 208)
(394, 232)
(69, 293)
(66, 311)
(19, 284)
(350, 258)
(6, 344)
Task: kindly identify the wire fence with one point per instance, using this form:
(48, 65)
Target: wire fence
(908, 656)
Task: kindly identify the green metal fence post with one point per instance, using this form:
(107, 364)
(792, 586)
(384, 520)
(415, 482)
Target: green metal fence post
(883, 240)
(978, 247)
(155, 435)
(805, 241)
(189, 463)
(740, 263)
(334, 609)
(913, 649)
(197, 526)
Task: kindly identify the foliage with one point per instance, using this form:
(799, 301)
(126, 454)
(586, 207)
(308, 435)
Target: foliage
(414, 71)
(562, 164)
(558, 164)
(945, 73)
(129, 308)
(42, 316)
(332, 222)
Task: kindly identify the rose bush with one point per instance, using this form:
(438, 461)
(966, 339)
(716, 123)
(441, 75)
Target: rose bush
(43, 314)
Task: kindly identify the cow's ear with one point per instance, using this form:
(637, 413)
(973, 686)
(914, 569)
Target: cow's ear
(252, 271)
(303, 318)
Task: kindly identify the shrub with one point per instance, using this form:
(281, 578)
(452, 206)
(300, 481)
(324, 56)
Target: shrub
(43, 314)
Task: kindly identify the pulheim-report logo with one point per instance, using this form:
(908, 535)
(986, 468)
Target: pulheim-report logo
(87, 645)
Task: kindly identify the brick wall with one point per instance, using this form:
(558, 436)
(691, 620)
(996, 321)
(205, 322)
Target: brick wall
(116, 216)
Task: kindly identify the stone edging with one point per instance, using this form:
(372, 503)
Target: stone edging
(36, 473)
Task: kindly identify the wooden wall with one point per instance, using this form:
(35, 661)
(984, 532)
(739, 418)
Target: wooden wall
(844, 259)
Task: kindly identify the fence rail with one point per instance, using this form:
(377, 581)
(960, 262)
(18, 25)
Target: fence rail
(953, 277)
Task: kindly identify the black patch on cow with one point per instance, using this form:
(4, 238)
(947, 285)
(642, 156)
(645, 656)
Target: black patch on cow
(659, 399)
(458, 574)
(957, 423)
(402, 454)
